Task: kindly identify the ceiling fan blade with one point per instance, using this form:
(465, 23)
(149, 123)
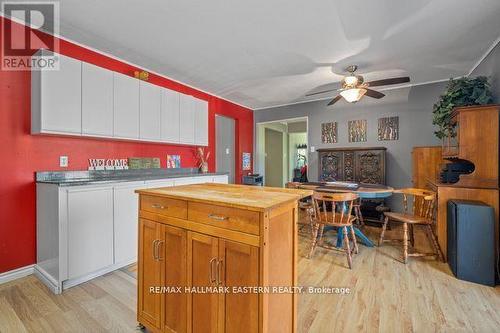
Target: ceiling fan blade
(335, 100)
(374, 94)
(386, 82)
(320, 92)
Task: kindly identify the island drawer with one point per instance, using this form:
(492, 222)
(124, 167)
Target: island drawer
(224, 217)
(164, 206)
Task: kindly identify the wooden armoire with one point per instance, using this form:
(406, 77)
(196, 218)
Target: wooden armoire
(359, 164)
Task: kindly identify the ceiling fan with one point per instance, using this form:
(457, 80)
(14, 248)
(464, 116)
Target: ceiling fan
(354, 87)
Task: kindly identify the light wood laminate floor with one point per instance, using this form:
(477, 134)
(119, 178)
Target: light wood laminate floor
(386, 296)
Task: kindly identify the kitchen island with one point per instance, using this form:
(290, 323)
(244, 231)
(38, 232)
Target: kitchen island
(205, 238)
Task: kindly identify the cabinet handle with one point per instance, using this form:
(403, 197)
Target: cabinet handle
(155, 242)
(158, 206)
(220, 264)
(159, 244)
(218, 217)
(211, 274)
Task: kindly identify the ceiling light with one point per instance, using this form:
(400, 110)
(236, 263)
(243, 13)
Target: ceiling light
(351, 80)
(353, 95)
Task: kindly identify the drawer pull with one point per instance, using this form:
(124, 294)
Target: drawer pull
(158, 206)
(218, 217)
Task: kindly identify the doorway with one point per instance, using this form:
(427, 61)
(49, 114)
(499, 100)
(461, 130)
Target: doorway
(224, 146)
(281, 153)
(274, 158)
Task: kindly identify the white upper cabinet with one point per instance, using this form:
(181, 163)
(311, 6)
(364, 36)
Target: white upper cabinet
(97, 100)
(125, 106)
(186, 123)
(201, 122)
(56, 97)
(83, 99)
(170, 116)
(150, 108)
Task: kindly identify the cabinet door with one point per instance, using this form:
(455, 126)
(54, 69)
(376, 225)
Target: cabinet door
(191, 180)
(173, 249)
(125, 106)
(126, 212)
(97, 100)
(202, 272)
(220, 179)
(149, 274)
(57, 97)
(201, 122)
(238, 267)
(170, 115)
(331, 166)
(90, 230)
(150, 106)
(370, 166)
(186, 122)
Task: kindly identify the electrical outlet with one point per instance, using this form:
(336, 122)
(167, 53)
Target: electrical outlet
(63, 161)
(313, 149)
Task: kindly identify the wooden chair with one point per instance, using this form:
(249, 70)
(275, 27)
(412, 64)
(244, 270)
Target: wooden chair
(357, 212)
(419, 210)
(305, 205)
(339, 216)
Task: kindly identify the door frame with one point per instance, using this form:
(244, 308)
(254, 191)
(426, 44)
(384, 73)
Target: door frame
(259, 162)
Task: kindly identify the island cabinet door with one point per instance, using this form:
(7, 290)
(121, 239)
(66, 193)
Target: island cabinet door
(202, 274)
(149, 274)
(238, 268)
(173, 255)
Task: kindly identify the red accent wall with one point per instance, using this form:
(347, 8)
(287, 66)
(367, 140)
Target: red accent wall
(22, 154)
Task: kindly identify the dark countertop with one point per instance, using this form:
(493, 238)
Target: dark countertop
(76, 178)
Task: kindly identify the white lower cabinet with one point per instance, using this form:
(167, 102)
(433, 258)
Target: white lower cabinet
(90, 230)
(126, 210)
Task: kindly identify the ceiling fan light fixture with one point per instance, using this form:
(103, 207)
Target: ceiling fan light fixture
(353, 95)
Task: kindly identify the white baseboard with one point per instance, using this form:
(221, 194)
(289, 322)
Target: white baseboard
(16, 273)
(76, 281)
(47, 280)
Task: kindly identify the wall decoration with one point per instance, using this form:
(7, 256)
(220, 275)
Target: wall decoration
(357, 130)
(329, 132)
(202, 159)
(246, 161)
(144, 163)
(173, 161)
(388, 128)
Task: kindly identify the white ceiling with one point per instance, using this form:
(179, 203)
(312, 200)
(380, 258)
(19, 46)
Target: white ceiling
(262, 53)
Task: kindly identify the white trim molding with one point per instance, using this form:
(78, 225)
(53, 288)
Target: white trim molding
(16, 273)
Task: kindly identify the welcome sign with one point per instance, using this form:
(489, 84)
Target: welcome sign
(108, 164)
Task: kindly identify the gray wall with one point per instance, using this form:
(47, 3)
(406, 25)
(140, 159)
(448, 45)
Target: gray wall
(490, 66)
(412, 105)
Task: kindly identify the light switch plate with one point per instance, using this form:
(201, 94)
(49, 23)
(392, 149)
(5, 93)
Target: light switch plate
(227, 151)
(313, 149)
(63, 161)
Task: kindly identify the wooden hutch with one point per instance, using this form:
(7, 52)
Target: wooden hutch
(357, 164)
(477, 129)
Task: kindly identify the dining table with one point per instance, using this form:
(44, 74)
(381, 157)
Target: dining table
(364, 191)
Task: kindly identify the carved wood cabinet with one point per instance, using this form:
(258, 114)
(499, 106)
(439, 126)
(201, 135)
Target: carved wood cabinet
(362, 165)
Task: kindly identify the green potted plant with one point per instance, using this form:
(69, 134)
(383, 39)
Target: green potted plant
(459, 92)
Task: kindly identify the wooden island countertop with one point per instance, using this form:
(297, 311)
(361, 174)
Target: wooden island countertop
(256, 198)
(212, 236)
